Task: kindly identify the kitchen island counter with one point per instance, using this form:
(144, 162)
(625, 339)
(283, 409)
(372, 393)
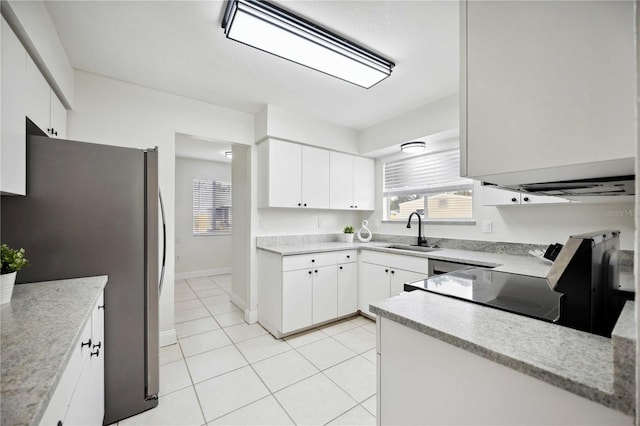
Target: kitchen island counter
(40, 327)
(576, 361)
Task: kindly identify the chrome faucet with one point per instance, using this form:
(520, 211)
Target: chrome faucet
(422, 241)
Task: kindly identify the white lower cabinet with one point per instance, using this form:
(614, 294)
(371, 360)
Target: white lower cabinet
(418, 375)
(296, 292)
(347, 288)
(297, 295)
(79, 397)
(382, 275)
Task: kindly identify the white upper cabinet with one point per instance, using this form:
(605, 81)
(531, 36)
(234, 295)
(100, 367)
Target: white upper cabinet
(43, 106)
(292, 175)
(352, 182)
(546, 85)
(500, 197)
(13, 152)
(300, 176)
(315, 178)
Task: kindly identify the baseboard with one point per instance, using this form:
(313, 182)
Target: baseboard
(168, 337)
(250, 317)
(200, 274)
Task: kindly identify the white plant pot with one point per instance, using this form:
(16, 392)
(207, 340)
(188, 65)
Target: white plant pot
(348, 238)
(6, 287)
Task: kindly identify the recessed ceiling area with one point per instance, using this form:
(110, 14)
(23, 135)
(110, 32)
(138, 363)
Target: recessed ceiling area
(179, 47)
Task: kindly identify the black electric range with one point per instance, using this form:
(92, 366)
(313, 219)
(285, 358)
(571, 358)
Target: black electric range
(520, 294)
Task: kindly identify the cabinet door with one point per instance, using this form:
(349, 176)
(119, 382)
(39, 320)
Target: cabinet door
(347, 288)
(498, 197)
(363, 183)
(38, 97)
(315, 177)
(285, 171)
(58, 118)
(399, 277)
(341, 192)
(374, 281)
(297, 296)
(13, 151)
(547, 83)
(325, 293)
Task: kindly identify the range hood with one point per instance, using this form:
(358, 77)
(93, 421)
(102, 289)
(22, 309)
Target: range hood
(593, 187)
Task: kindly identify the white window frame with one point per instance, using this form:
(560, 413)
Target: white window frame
(409, 176)
(208, 206)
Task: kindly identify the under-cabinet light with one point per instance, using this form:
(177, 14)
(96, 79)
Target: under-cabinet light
(413, 147)
(267, 27)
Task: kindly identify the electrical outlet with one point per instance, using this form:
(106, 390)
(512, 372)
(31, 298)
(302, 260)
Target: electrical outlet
(487, 226)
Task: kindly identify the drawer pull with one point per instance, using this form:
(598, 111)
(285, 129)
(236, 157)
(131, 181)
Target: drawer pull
(99, 345)
(348, 256)
(310, 272)
(83, 344)
(341, 268)
(393, 272)
(386, 270)
(100, 307)
(313, 261)
(96, 353)
(316, 271)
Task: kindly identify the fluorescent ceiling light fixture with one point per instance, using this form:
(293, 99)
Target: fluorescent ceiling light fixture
(228, 154)
(269, 28)
(413, 147)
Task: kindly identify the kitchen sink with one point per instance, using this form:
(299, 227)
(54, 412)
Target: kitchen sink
(412, 248)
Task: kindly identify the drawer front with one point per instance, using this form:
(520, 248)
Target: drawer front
(406, 262)
(347, 256)
(302, 261)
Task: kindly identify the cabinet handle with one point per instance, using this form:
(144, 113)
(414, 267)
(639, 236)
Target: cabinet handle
(299, 204)
(393, 272)
(305, 204)
(350, 207)
(348, 256)
(99, 345)
(316, 271)
(526, 198)
(513, 200)
(55, 132)
(313, 260)
(310, 272)
(100, 307)
(386, 270)
(83, 344)
(355, 207)
(341, 268)
(96, 353)
(59, 423)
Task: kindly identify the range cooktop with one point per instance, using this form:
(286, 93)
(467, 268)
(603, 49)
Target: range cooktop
(520, 294)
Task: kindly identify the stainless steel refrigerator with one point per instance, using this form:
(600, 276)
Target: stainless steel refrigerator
(94, 210)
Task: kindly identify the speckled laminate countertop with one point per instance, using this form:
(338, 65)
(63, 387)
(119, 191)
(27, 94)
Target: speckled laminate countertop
(525, 265)
(40, 327)
(579, 362)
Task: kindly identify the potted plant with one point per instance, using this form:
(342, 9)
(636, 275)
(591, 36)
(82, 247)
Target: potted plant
(348, 233)
(12, 262)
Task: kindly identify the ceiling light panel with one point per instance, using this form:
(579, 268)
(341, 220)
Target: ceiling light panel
(273, 30)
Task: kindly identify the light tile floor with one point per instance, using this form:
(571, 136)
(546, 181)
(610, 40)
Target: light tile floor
(226, 372)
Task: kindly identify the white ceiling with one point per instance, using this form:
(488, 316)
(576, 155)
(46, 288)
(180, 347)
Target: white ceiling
(180, 47)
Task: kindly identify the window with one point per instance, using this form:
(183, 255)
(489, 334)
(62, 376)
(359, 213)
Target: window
(429, 184)
(211, 207)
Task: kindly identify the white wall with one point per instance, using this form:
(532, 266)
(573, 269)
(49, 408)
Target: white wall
(116, 113)
(203, 254)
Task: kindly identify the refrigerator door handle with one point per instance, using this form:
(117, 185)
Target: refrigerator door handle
(164, 243)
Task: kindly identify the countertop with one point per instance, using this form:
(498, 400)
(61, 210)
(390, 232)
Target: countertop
(525, 265)
(40, 327)
(579, 362)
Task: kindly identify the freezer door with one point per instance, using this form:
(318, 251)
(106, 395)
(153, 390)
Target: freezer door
(152, 277)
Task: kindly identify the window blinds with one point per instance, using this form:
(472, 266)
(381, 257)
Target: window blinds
(424, 174)
(211, 207)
